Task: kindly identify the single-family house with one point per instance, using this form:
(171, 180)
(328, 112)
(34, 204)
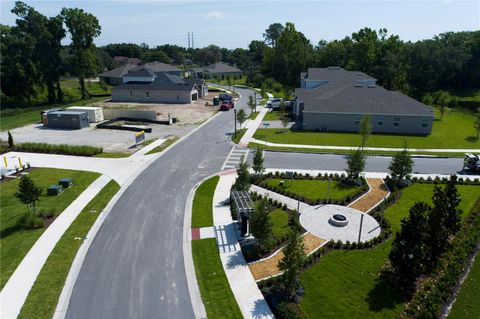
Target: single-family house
(333, 99)
(219, 70)
(145, 86)
(201, 85)
(115, 76)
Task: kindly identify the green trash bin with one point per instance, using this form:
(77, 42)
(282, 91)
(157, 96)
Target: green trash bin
(65, 182)
(216, 101)
(54, 190)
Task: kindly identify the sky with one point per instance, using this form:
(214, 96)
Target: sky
(234, 24)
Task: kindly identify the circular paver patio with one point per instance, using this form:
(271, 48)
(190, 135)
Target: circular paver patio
(316, 221)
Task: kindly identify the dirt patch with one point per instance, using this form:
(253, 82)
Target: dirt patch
(378, 192)
(194, 113)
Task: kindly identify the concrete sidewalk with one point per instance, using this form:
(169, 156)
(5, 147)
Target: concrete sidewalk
(290, 202)
(253, 126)
(249, 298)
(332, 147)
(15, 292)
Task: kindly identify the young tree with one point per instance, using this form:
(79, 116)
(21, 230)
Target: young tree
(242, 183)
(409, 252)
(83, 28)
(28, 193)
(252, 104)
(452, 201)
(442, 98)
(292, 263)
(401, 165)
(261, 225)
(11, 144)
(355, 164)
(477, 124)
(241, 117)
(230, 82)
(365, 129)
(258, 162)
(285, 119)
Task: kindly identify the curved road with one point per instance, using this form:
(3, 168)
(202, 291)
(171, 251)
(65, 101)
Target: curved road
(134, 267)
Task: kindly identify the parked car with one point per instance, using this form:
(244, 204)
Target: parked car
(225, 97)
(274, 103)
(226, 105)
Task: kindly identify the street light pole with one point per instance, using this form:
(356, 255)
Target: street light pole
(235, 122)
(255, 100)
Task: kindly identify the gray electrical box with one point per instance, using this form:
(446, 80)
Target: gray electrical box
(67, 119)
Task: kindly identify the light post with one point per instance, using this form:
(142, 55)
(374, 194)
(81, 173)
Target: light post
(255, 100)
(235, 122)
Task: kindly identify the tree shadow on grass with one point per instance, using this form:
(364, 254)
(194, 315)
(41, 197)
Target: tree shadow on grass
(383, 296)
(471, 139)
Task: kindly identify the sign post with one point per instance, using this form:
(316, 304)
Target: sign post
(139, 138)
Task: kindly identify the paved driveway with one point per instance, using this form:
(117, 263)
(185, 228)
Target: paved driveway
(134, 267)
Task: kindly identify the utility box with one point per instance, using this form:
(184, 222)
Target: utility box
(65, 182)
(43, 115)
(95, 113)
(54, 190)
(67, 119)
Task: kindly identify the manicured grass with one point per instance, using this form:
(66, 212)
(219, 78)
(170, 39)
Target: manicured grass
(202, 215)
(17, 241)
(314, 189)
(237, 137)
(279, 220)
(43, 297)
(112, 155)
(466, 305)
(163, 146)
(214, 287)
(345, 284)
(241, 81)
(253, 115)
(273, 116)
(19, 120)
(340, 151)
(454, 131)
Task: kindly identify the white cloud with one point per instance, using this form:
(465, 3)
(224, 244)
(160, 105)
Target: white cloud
(214, 15)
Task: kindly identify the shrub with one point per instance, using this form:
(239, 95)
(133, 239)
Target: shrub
(77, 150)
(29, 221)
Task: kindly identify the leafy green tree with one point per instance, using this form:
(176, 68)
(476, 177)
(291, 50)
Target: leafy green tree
(83, 28)
(258, 161)
(365, 129)
(285, 119)
(28, 193)
(401, 165)
(241, 117)
(11, 144)
(442, 99)
(477, 124)
(252, 104)
(261, 225)
(242, 183)
(355, 164)
(410, 252)
(452, 201)
(292, 263)
(272, 33)
(230, 82)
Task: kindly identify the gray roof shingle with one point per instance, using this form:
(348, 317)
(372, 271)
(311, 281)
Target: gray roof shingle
(162, 82)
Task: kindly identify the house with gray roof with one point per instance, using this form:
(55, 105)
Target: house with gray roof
(333, 99)
(219, 70)
(146, 86)
(115, 76)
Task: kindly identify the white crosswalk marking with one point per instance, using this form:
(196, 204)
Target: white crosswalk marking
(236, 155)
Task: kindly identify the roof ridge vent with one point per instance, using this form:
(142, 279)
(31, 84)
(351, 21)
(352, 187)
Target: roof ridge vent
(359, 84)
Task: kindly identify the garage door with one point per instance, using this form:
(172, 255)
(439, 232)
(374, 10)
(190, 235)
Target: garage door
(194, 96)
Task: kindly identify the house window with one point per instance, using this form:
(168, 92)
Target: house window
(147, 94)
(357, 122)
(380, 123)
(396, 119)
(397, 124)
(131, 93)
(424, 124)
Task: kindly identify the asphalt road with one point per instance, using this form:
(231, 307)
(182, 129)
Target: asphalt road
(374, 163)
(134, 267)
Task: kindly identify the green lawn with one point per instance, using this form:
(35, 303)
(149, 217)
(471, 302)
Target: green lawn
(340, 151)
(273, 116)
(43, 297)
(14, 239)
(202, 215)
(241, 81)
(214, 287)
(345, 284)
(454, 131)
(314, 189)
(163, 146)
(279, 220)
(237, 137)
(467, 306)
(253, 115)
(21, 117)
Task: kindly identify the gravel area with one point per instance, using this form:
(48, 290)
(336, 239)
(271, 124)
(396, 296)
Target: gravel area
(110, 140)
(378, 191)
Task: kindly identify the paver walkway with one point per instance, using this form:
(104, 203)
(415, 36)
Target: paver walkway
(377, 193)
(268, 267)
(15, 292)
(249, 298)
(351, 148)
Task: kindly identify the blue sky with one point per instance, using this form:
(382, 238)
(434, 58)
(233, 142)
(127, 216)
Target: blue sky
(234, 24)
